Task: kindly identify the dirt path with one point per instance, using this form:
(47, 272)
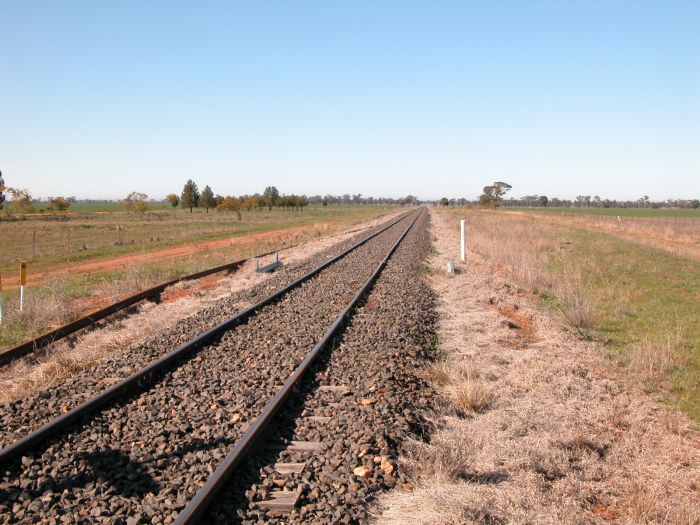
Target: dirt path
(541, 430)
(127, 261)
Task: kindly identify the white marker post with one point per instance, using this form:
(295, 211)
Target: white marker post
(22, 282)
(461, 223)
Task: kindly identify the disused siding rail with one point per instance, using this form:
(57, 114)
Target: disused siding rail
(74, 326)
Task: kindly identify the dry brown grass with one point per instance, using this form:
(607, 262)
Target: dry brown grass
(47, 307)
(575, 304)
(512, 245)
(679, 236)
(448, 457)
(462, 385)
(520, 250)
(564, 440)
(467, 390)
(653, 359)
(439, 373)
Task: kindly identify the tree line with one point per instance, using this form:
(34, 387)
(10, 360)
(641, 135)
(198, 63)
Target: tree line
(270, 198)
(191, 197)
(494, 196)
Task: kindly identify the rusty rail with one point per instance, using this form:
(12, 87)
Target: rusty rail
(146, 377)
(199, 503)
(74, 326)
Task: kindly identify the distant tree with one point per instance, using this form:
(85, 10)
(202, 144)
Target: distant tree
(173, 199)
(325, 201)
(190, 195)
(219, 199)
(207, 198)
(500, 189)
(250, 202)
(695, 203)
(493, 195)
(22, 201)
(543, 201)
(270, 197)
(444, 202)
(136, 202)
(59, 203)
(230, 204)
(486, 198)
(2, 191)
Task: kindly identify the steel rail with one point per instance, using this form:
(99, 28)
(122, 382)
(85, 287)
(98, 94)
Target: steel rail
(144, 377)
(200, 502)
(70, 328)
(64, 331)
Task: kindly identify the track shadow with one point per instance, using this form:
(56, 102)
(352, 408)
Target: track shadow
(128, 477)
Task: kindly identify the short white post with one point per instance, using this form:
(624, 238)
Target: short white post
(22, 282)
(461, 223)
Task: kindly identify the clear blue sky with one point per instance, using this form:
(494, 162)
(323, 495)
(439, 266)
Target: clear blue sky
(388, 98)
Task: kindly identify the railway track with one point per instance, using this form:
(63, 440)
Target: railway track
(18, 418)
(39, 343)
(143, 447)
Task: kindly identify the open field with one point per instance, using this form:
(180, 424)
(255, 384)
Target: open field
(49, 242)
(64, 285)
(678, 235)
(639, 303)
(614, 212)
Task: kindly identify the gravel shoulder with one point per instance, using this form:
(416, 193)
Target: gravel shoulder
(558, 437)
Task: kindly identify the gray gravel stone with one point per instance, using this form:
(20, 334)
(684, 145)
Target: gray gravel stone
(145, 457)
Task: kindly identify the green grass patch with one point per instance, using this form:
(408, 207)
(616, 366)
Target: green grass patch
(646, 301)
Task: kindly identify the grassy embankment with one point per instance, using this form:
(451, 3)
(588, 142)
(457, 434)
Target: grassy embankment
(640, 303)
(100, 236)
(614, 212)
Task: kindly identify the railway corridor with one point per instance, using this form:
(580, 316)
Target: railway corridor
(143, 458)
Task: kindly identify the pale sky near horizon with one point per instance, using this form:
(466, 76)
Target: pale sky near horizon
(434, 99)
